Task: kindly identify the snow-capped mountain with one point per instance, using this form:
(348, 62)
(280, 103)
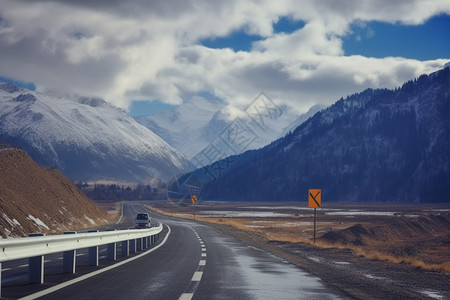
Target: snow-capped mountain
(85, 138)
(302, 118)
(197, 123)
(377, 145)
(183, 127)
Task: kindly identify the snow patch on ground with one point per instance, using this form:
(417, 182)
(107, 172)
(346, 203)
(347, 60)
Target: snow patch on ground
(12, 222)
(38, 222)
(90, 220)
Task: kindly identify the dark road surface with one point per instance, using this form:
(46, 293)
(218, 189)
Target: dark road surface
(197, 262)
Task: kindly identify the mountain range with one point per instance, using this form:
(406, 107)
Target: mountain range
(193, 125)
(85, 138)
(375, 146)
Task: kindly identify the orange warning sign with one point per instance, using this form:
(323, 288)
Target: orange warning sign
(314, 198)
(194, 199)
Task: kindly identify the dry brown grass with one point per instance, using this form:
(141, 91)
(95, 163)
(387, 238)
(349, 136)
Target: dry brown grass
(275, 230)
(26, 190)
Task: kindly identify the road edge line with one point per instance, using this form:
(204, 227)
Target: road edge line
(92, 274)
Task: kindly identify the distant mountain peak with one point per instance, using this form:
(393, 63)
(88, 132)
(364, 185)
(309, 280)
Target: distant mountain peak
(84, 137)
(25, 98)
(91, 101)
(200, 122)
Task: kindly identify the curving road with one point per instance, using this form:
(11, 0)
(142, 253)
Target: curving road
(197, 262)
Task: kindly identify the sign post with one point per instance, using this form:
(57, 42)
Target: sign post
(194, 200)
(314, 201)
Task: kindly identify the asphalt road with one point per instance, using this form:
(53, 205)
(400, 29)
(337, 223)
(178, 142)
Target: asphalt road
(197, 262)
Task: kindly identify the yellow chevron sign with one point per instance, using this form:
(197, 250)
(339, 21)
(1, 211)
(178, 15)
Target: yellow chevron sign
(314, 198)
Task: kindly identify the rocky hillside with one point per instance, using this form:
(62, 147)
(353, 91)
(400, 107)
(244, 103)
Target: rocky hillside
(34, 199)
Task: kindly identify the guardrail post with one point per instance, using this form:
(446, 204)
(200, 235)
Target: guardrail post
(93, 256)
(69, 258)
(112, 251)
(93, 253)
(69, 261)
(139, 244)
(126, 248)
(36, 269)
(133, 246)
(36, 265)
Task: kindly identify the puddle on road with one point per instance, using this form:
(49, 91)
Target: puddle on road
(432, 294)
(267, 276)
(344, 263)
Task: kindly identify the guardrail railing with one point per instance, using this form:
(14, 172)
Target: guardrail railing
(36, 247)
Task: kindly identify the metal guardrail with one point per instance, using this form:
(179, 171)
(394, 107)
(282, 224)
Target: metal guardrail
(19, 248)
(36, 247)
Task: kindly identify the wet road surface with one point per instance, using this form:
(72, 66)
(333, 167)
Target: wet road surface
(198, 262)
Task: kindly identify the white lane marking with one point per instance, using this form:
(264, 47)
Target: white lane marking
(186, 296)
(92, 274)
(197, 276)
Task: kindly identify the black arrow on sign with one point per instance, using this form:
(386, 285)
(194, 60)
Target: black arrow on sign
(314, 198)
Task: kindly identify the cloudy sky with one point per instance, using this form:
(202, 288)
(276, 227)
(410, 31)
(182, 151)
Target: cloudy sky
(298, 52)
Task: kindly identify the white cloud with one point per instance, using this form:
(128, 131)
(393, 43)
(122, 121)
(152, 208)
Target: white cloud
(138, 50)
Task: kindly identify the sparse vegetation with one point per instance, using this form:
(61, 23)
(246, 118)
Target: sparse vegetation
(34, 199)
(421, 241)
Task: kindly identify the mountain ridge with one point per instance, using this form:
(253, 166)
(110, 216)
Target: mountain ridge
(377, 145)
(86, 138)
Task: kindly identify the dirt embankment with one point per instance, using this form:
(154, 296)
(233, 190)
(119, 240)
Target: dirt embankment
(422, 241)
(34, 199)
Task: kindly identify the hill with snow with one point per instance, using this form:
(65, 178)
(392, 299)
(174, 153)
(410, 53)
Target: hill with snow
(184, 126)
(85, 138)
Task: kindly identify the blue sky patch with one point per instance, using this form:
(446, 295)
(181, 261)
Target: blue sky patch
(143, 108)
(238, 41)
(287, 25)
(378, 39)
(30, 86)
